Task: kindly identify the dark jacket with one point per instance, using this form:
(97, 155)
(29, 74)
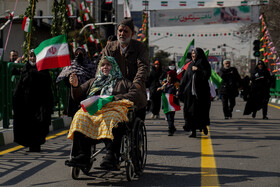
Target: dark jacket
(123, 89)
(32, 106)
(231, 81)
(260, 90)
(195, 91)
(155, 79)
(134, 64)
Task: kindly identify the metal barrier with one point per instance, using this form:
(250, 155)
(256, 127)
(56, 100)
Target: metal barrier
(8, 83)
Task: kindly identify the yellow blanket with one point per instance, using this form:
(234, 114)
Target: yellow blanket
(100, 124)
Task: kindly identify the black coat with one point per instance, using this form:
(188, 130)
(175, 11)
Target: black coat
(32, 106)
(231, 81)
(260, 90)
(196, 107)
(154, 80)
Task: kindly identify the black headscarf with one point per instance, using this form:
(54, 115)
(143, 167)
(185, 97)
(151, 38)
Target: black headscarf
(84, 69)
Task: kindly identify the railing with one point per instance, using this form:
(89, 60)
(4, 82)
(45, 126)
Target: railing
(8, 83)
(275, 92)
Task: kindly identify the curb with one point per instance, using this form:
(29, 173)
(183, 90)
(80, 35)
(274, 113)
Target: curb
(274, 100)
(7, 135)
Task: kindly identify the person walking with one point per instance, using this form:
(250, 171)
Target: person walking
(260, 91)
(154, 82)
(229, 88)
(170, 99)
(195, 91)
(32, 106)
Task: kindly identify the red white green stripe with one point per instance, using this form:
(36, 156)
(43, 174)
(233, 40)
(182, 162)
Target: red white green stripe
(164, 3)
(91, 38)
(53, 53)
(95, 103)
(200, 3)
(70, 9)
(85, 47)
(86, 17)
(168, 103)
(145, 3)
(220, 3)
(183, 3)
(108, 1)
(26, 24)
(82, 6)
(244, 3)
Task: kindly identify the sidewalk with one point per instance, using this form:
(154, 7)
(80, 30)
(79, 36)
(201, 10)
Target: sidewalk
(7, 136)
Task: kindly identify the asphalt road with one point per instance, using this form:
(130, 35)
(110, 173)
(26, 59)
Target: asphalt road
(241, 151)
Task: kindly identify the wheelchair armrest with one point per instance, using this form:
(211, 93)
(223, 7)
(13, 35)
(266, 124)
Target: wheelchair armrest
(131, 113)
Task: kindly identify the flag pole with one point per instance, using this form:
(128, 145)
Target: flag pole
(31, 21)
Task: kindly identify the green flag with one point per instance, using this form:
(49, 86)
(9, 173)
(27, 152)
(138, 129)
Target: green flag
(182, 61)
(214, 78)
(95, 103)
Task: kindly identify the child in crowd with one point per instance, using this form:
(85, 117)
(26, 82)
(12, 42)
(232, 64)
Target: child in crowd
(170, 102)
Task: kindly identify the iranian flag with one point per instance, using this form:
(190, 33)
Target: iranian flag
(265, 2)
(53, 53)
(85, 47)
(92, 27)
(108, 1)
(200, 3)
(182, 61)
(70, 9)
(96, 41)
(126, 10)
(74, 46)
(82, 6)
(95, 103)
(244, 3)
(86, 17)
(215, 78)
(168, 104)
(87, 10)
(145, 3)
(91, 38)
(183, 3)
(164, 3)
(220, 3)
(79, 19)
(26, 24)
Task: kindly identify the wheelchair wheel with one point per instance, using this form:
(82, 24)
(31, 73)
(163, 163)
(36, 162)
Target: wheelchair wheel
(75, 172)
(139, 146)
(129, 171)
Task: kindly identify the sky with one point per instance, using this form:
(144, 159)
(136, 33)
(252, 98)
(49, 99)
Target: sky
(177, 45)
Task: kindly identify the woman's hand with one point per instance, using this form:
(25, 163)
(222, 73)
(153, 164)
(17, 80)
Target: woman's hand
(73, 80)
(194, 68)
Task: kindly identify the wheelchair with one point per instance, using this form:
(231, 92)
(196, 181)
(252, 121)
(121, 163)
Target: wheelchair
(133, 149)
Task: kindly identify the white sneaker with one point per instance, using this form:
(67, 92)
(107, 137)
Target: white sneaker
(152, 116)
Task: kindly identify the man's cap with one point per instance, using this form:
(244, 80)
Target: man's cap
(127, 21)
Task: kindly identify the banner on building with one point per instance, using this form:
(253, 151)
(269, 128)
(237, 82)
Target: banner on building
(204, 16)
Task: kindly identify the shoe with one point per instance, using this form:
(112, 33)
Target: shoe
(79, 161)
(170, 132)
(35, 149)
(205, 130)
(109, 161)
(253, 115)
(193, 134)
(186, 128)
(152, 116)
(230, 115)
(157, 116)
(226, 117)
(265, 117)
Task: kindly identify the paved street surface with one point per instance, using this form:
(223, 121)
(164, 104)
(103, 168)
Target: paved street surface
(238, 152)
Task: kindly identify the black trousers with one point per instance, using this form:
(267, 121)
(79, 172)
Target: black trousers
(228, 105)
(264, 109)
(170, 119)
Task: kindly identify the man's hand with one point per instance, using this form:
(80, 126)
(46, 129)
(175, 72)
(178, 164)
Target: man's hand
(194, 68)
(138, 86)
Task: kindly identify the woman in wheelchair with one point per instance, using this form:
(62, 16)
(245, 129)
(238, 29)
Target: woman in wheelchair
(85, 128)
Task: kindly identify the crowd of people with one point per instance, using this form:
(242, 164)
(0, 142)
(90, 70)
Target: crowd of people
(123, 71)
